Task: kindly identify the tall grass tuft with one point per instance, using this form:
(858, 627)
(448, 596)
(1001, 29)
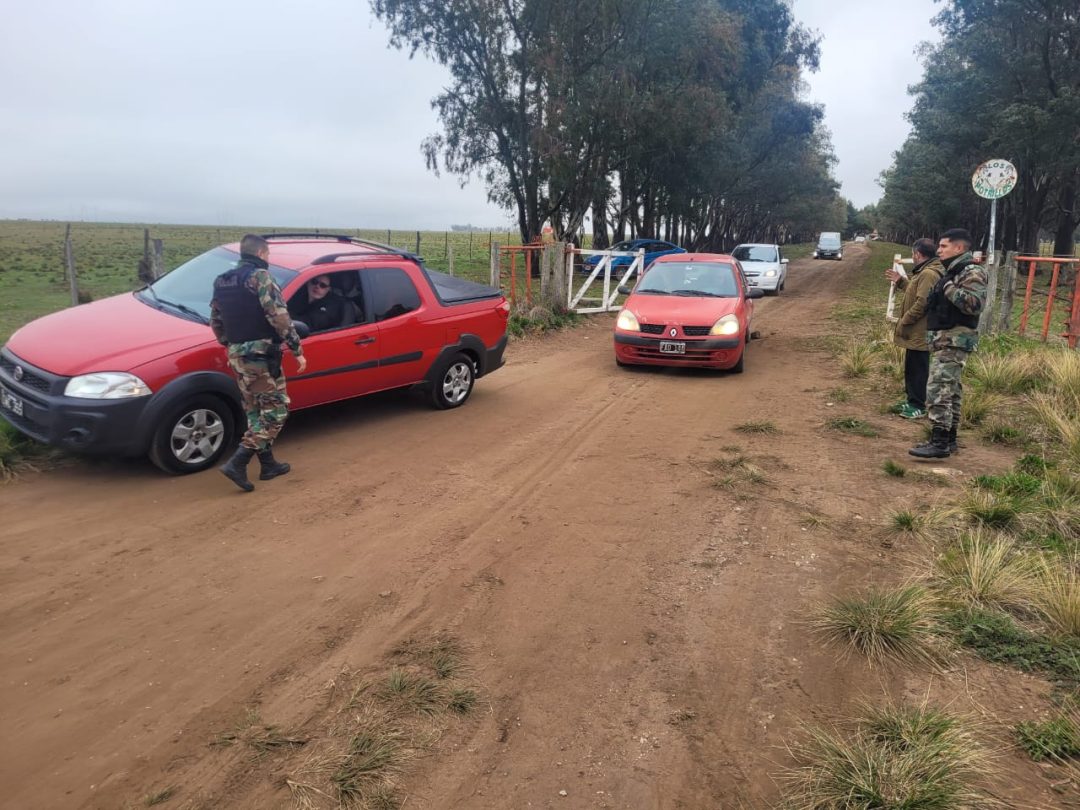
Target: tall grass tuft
(985, 569)
(1003, 373)
(892, 625)
(915, 758)
(857, 360)
(977, 405)
(1057, 595)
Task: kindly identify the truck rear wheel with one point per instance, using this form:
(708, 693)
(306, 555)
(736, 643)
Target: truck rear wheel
(454, 383)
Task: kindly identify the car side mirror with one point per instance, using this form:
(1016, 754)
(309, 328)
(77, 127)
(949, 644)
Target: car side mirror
(784, 261)
(302, 329)
(756, 292)
(624, 290)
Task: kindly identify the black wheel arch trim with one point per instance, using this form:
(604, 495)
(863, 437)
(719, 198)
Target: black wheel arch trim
(213, 383)
(472, 345)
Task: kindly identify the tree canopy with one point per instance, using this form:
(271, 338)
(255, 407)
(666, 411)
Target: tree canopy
(679, 119)
(1004, 82)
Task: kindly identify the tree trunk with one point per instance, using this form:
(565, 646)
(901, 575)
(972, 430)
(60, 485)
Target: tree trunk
(1067, 218)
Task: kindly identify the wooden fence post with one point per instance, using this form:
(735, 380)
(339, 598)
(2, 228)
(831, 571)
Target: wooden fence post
(157, 259)
(554, 279)
(69, 264)
(446, 245)
(450, 258)
(388, 237)
(494, 278)
(418, 243)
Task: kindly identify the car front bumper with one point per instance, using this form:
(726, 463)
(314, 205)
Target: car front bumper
(763, 282)
(718, 353)
(106, 426)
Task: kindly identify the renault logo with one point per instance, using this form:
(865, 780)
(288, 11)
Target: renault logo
(18, 373)
(673, 332)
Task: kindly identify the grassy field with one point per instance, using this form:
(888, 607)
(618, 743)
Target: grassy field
(32, 281)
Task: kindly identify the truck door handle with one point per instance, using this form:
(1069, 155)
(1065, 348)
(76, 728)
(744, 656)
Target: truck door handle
(365, 340)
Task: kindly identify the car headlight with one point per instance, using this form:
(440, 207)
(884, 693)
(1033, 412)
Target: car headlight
(770, 274)
(815, 254)
(728, 325)
(106, 385)
(628, 322)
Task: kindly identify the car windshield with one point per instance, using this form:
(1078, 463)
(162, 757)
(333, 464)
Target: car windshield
(704, 279)
(189, 288)
(829, 242)
(755, 253)
(630, 245)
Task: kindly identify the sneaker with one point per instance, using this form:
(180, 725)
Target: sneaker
(911, 412)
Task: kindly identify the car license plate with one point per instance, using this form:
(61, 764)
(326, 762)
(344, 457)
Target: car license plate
(672, 347)
(11, 402)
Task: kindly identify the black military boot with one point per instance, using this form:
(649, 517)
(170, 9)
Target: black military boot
(271, 467)
(235, 469)
(937, 447)
(954, 445)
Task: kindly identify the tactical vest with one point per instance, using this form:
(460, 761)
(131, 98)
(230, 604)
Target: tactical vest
(239, 306)
(941, 313)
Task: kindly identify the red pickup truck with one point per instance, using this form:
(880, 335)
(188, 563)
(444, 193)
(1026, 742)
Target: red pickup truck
(142, 373)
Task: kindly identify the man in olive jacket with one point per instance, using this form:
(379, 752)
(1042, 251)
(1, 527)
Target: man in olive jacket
(910, 333)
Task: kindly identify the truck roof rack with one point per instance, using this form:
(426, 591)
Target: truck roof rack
(340, 237)
(330, 258)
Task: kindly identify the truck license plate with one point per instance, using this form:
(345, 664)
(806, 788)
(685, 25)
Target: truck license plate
(671, 347)
(11, 402)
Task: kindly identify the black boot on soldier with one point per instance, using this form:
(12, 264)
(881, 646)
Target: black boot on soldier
(937, 447)
(271, 467)
(235, 469)
(954, 445)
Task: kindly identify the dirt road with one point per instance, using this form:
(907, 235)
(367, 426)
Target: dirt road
(632, 629)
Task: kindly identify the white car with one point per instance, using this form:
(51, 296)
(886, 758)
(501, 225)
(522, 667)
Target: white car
(860, 238)
(763, 265)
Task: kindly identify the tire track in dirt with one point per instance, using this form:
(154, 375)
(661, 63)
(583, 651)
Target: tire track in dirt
(636, 631)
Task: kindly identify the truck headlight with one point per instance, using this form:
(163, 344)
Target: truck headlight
(728, 325)
(628, 322)
(106, 385)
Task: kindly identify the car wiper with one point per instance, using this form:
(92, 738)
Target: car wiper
(651, 292)
(700, 293)
(185, 309)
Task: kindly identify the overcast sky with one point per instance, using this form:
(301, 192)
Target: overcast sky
(263, 112)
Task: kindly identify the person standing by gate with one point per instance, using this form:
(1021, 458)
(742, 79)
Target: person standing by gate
(952, 322)
(249, 317)
(910, 331)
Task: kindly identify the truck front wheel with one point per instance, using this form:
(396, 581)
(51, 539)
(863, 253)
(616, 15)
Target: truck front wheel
(193, 436)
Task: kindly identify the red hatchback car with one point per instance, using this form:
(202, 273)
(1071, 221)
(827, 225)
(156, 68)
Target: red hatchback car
(688, 309)
(142, 373)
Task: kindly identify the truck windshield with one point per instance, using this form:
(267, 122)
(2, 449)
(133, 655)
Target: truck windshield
(191, 285)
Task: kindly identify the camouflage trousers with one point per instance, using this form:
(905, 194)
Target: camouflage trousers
(266, 404)
(943, 389)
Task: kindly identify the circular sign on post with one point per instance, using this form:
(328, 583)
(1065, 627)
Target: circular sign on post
(994, 179)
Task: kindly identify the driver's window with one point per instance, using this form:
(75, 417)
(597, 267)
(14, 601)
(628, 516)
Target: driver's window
(328, 301)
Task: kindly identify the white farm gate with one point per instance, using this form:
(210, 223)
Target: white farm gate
(577, 296)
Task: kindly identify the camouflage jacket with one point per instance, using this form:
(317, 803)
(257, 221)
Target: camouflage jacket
(269, 294)
(966, 290)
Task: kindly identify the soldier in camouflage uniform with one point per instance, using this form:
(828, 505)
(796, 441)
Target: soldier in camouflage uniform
(952, 322)
(249, 317)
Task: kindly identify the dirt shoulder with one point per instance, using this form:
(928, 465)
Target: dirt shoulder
(631, 622)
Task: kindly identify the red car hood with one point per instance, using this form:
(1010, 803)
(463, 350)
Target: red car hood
(677, 309)
(114, 334)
